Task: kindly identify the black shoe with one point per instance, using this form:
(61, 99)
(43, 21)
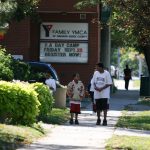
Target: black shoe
(71, 121)
(98, 122)
(76, 122)
(104, 122)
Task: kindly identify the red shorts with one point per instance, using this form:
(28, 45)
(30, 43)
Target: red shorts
(75, 108)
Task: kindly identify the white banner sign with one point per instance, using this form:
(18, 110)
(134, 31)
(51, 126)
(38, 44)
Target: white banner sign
(73, 52)
(61, 31)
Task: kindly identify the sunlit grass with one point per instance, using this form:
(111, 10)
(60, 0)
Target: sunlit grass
(128, 143)
(140, 120)
(57, 116)
(20, 134)
(136, 83)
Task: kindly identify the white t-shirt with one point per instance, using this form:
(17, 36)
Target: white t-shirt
(51, 83)
(92, 86)
(100, 80)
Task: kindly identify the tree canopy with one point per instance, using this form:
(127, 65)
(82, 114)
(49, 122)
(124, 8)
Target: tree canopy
(130, 20)
(16, 10)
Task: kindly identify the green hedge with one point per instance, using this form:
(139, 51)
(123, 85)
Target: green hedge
(45, 98)
(23, 103)
(18, 103)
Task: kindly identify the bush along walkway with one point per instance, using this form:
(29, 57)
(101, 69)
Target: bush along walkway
(87, 135)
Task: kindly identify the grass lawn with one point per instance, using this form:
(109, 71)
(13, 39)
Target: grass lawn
(57, 116)
(11, 135)
(140, 120)
(14, 136)
(128, 143)
(144, 101)
(136, 83)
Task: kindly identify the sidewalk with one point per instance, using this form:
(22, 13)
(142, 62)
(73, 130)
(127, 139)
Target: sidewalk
(86, 135)
(120, 84)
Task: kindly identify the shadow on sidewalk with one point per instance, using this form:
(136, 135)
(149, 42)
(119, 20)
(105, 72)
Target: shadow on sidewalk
(122, 98)
(126, 94)
(60, 147)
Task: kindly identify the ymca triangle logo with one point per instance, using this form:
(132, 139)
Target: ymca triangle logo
(47, 29)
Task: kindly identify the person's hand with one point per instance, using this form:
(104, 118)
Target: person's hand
(71, 95)
(52, 88)
(87, 94)
(98, 89)
(81, 97)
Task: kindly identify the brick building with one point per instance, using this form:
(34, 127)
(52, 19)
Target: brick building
(65, 37)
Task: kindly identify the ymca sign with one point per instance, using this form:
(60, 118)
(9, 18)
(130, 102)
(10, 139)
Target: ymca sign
(68, 31)
(64, 42)
(63, 52)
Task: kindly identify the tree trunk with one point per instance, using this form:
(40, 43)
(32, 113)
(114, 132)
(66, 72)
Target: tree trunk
(146, 51)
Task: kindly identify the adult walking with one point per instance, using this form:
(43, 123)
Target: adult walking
(75, 91)
(127, 76)
(101, 82)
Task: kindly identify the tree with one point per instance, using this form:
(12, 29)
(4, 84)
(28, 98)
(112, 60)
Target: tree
(131, 20)
(16, 10)
(131, 57)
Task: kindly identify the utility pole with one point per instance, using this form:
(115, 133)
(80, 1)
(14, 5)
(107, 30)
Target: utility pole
(105, 36)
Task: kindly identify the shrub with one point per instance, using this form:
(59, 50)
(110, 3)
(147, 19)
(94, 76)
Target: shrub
(18, 103)
(21, 70)
(45, 98)
(6, 72)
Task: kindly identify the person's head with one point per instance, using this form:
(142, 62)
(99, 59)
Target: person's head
(76, 77)
(48, 74)
(100, 67)
(95, 68)
(127, 66)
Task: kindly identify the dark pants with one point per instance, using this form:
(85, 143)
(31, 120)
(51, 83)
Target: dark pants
(92, 99)
(127, 84)
(92, 95)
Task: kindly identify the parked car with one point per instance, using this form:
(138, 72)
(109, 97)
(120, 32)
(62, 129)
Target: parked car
(38, 71)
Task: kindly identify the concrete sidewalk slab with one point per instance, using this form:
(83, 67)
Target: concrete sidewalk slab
(132, 132)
